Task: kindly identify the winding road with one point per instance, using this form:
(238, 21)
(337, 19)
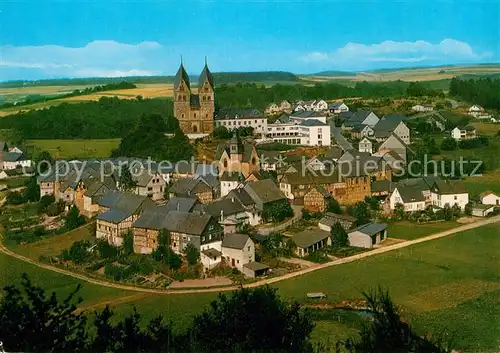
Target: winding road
(262, 282)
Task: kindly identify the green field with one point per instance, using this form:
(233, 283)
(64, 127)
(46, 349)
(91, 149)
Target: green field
(412, 230)
(448, 285)
(486, 182)
(75, 148)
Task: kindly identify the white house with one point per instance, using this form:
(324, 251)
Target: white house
(230, 181)
(272, 108)
(338, 108)
(238, 250)
(367, 235)
(308, 133)
(449, 192)
(463, 133)
(365, 145)
(234, 118)
(300, 117)
(211, 254)
(422, 108)
(490, 198)
(410, 197)
(476, 111)
(15, 160)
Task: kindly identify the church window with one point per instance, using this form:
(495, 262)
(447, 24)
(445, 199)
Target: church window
(206, 115)
(195, 115)
(182, 115)
(209, 98)
(195, 128)
(254, 161)
(225, 163)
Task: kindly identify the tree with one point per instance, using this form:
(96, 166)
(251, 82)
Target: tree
(106, 250)
(340, 239)
(399, 211)
(449, 144)
(222, 133)
(73, 218)
(447, 212)
(468, 209)
(35, 322)
(166, 191)
(79, 252)
(44, 160)
(360, 211)
(373, 203)
(192, 254)
(45, 201)
(164, 253)
(277, 211)
(128, 243)
(251, 320)
(32, 191)
(333, 206)
(126, 181)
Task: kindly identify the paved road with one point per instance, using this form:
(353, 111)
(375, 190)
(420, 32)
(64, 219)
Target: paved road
(341, 140)
(377, 251)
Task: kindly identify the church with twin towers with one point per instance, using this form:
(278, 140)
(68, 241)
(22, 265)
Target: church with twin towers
(194, 108)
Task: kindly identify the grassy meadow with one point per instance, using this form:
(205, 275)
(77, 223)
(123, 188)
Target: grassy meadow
(447, 285)
(411, 230)
(75, 148)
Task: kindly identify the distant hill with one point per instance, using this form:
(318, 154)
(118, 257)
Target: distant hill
(219, 77)
(334, 73)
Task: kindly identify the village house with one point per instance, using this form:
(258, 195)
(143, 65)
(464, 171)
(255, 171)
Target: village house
(489, 198)
(478, 112)
(117, 212)
(233, 118)
(365, 146)
(285, 106)
(300, 117)
(230, 181)
(394, 144)
(337, 108)
(330, 219)
(237, 157)
(311, 240)
(360, 131)
(93, 190)
(194, 188)
(449, 192)
(464, 133)
(310, 132)
(319, 106)
(149, 184)
(272, 108)
(224, 209)
(238, 250)
(389, 125)
(360, 117)
(422, 108)
(367, 235)
(410, 197)
(316, 200)
(15, 160)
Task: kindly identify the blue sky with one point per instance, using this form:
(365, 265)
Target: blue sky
(47, 39)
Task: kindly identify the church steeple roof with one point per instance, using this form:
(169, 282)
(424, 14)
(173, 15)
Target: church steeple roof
(206, 75)
(181, 76)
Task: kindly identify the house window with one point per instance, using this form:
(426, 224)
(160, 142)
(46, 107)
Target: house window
(237, 261)
(456, 197)
(248, 249)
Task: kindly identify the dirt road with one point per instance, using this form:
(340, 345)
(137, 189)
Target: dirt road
(377, 251)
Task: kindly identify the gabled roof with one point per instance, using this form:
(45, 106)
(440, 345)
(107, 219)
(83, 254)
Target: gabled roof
(449, 187)
(467, 128)
(143, 178)
(386, 126)
(247, 151)
(113, 216)
(242, 196)
(336, 105)
(370, 229)
(235, 241)
(330, 219)
(264, 191)
(383, 186)
(187, 223)
(155, 218)
(307, 114)
(189, 187)
(180, 76)
(486, 193)
(224, 207)
(312, 122)
(309, 237)
(411, 194)
(235, 113)
(14, 156)
(182, 204)
(126, 202)
(232, 176)
(206, 75)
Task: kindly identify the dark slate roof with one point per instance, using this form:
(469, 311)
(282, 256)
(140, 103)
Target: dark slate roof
(331, 218)
(411, 194)
(226, 207)
(264, 190)
(14, 157)
(232, 176)
(194, 101)
(357, 117)
(346, 115)
(234, 113)
(125, 202)
(153, 219)
(386, 126)
(203, 169)
(210, 180)
(143, 178)
(466, 128)
(382, 185)
(307, 114)
(310, 237)
(188, 186)
(312, 122)
(182, 204)
(234, 241)
(335, 105)
(370, 229)
(114, 216)
(211, 252)
(188, 223)
(180, 76)
(247, 151)
(242, 196)
(256, 266)
(449, 186)
(206, 75)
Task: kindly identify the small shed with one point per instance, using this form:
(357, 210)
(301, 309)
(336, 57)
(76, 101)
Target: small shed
(482, 210)
(490, 198)
(308, 241)
(328, 221)
(368, 235)
(210, 258)
(254, 269)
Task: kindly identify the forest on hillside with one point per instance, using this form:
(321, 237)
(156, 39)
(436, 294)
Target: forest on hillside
(109, 117)
(484, 91)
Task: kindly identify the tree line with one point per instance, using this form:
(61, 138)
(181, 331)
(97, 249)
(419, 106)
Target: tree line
(246, 320)
(483, 91)
(37, 98)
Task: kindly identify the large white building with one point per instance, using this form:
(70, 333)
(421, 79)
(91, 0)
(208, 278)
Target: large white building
(308, 133)
(234, 118)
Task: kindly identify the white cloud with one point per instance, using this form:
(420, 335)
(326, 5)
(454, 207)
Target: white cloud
(97, 58)
(397, 52)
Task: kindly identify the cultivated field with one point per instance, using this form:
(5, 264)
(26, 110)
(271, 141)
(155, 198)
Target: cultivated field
(409, 230)
(144, 90)
(97, 148)
(450, 285)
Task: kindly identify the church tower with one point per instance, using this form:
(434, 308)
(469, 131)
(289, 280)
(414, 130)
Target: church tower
(195, 112)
